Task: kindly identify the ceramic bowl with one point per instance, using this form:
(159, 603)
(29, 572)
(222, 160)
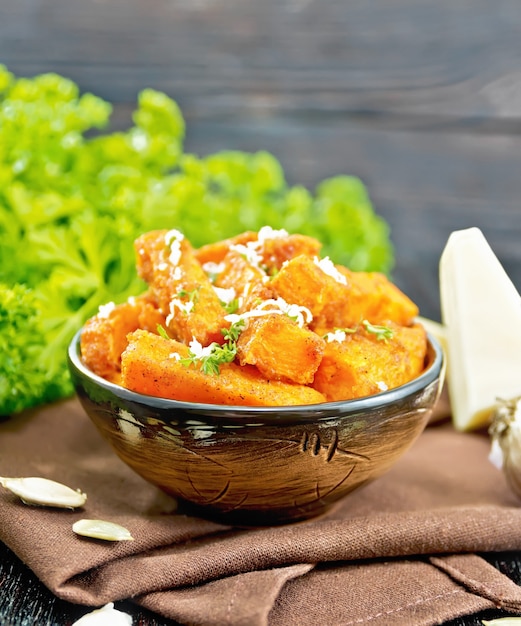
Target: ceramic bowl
(259, 465)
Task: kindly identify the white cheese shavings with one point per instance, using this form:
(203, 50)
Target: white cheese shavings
(177, 274)
(328, 267)
(267, 232)
(300, 314)
(225, 295)
(249, 252)
(184, 307)
(198, 351)
(174, 355)
(106, 309)
(173, 240)
(382, 386)
(213, 269)
(337, 335)
(173, 235)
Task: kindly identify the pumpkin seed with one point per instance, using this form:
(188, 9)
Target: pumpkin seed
(106, 616)
(44, 492)
(100, 529)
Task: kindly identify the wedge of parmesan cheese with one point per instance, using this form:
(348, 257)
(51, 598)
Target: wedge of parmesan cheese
(481, 312)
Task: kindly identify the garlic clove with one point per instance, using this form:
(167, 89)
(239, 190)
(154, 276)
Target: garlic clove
(505, 433)
(38, 491)
(101, 529)
(105, 616)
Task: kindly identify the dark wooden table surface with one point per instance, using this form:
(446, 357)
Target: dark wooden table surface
(421, 100)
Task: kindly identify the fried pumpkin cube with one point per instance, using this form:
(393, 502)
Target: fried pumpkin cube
(301, 281)
(183, 291)
(278, 250)
(280, 349)
(104, 336)
(375, 298)
(270, 248)
(249, 283)
(154, 366)
(340, 298)
(361, 364)
(215, 252)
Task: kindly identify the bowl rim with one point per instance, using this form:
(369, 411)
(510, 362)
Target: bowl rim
(434, 371)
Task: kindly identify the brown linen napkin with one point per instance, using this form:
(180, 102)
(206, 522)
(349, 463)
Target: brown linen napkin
(398, 551)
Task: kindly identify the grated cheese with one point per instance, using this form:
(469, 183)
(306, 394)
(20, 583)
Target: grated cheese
(225, 295)
(106, 309)
(337, 335)
(328, 267)
(301, 314)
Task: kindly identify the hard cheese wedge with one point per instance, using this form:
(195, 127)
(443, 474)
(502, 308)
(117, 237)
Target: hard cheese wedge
(481, 310)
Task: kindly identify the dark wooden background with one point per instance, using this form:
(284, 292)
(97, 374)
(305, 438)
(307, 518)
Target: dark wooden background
(421, 100)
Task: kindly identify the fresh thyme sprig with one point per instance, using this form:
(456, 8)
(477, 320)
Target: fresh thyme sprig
(161, 331)
(210, 358)
(232, 306)
(192, 295)
(382, 333)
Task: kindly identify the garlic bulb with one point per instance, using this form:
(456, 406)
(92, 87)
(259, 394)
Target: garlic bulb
(505, 433)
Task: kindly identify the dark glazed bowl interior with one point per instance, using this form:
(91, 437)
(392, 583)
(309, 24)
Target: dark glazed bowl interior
(259, 465)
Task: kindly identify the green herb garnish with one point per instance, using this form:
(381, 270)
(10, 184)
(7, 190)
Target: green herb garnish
(232, 306)
(382, 333)
(211, 358)
(192, 295)
(162, 332)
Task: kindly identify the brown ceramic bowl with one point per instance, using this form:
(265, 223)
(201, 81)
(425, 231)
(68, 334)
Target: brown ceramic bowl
(259, 465)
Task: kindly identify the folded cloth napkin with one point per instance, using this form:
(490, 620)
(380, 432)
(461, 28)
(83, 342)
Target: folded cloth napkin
(401, 550)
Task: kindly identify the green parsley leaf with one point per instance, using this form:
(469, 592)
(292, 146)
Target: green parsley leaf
(383, 333)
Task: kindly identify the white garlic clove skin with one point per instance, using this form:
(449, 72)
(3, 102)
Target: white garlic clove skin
(37, 491)
(100, 529)
(106, 616)
(505, 432)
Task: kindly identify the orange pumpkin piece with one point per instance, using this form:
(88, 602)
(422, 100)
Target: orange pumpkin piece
(300, 281)
(150, 366)
(183, 291)
(249, 282)
(272, 248)
(374, 297)
(215, 252)
(363, 365)
(275, 252)
(280, 349)
(104, 336)
(340, 298)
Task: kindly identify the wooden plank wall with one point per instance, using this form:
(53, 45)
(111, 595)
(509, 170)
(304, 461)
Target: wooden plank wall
(420, 99)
